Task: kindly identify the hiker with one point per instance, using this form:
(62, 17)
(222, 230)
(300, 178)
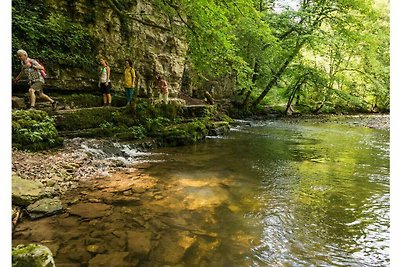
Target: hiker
(129, 83)
(31, 68)
(105, 82)
(163, 86)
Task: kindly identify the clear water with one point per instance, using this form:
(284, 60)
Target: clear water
(307, 194)
(274, 193)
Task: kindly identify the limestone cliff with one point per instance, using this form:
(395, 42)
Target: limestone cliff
(122, 29)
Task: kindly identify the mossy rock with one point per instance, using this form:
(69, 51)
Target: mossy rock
(183, 134)
(196, 111)
(32, 255)
(121, 133)
(93, 118)
(217, 128)
(86, 100)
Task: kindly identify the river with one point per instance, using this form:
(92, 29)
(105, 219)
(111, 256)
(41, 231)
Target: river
(270, 193)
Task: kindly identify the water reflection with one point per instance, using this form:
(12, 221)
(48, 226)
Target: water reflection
(317, 186)
(270, 194)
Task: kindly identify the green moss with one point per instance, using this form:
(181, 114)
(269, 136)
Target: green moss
(199, 111)
(161, 121)
(94, 118)
(32, 255)
(183, 134)
(120, 133)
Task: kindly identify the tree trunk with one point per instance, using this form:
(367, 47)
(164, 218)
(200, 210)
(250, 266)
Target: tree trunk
(296, 88)
(281, 70)
(253, 80)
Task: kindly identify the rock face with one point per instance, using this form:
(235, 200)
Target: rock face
(140, 33)
(32, 255)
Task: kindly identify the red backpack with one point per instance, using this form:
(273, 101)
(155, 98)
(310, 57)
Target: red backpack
(43, 71)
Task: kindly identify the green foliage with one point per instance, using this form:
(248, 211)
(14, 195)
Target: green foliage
(138, 132)
(51, 37)
(106, 125)
(34, 130)
(154, 124)
(343, 44)
(82, 100)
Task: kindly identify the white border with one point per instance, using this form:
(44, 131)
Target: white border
(5, 113)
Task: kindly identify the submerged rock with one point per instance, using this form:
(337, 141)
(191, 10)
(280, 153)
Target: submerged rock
(120, 259)
(44, 207)
(90, 210)
(172, 248)
(139, 243)
(32, 255)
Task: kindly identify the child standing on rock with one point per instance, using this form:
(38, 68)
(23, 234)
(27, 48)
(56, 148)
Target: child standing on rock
(163, 86)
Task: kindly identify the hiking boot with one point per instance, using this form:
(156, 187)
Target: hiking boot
(31, 108)
(54, 105)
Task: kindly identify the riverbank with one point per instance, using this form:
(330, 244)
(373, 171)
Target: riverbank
(109, 192)
(184, 205)
(63, 168)
(375, 121)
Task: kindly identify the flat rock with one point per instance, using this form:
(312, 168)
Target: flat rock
(44, 207)
(90, 210)
(172, 249)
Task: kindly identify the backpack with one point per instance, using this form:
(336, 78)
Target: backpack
(43, 71)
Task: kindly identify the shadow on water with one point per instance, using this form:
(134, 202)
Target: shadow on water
(274, 194)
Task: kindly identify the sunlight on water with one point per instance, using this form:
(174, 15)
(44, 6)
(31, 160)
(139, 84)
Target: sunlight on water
(322, 191)
(270, 193)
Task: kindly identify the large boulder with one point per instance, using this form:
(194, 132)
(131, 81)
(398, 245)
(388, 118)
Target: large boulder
(32, 255)
(18, 102)
(26, 192)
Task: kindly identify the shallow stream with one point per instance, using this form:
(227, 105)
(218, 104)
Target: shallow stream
(270, 193)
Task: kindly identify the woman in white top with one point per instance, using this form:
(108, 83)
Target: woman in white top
(105, 82)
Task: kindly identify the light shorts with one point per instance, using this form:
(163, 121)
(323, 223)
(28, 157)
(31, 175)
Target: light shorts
(37, 86)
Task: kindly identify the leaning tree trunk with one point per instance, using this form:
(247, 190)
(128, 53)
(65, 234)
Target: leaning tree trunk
(281, 70)
(296, 88)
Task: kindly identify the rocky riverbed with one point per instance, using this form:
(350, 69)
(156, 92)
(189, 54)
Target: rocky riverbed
(77, 162)
(112, 214)
(106, 210)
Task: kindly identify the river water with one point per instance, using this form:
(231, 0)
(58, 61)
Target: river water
(270, 193)
(307, 194)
